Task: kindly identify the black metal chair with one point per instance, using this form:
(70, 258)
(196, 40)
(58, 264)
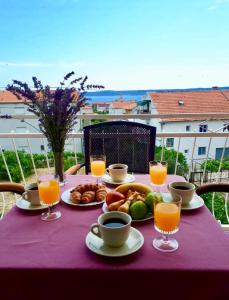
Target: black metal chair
(124, 142)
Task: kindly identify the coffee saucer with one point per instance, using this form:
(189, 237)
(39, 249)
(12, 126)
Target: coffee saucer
(133, 244)
(26, 205)
(129, 178)
(195, 203)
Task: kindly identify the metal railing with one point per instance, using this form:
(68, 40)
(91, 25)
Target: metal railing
(77, 137)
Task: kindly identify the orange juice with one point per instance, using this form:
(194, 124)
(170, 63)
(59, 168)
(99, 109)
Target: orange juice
(97, 167)
(158, 174)
(166, 216)
(49, 192)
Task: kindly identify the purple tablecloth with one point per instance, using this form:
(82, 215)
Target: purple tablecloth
(50, 258)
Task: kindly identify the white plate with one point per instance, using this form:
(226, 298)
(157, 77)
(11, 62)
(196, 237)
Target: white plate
(133, 244)
(26, 205)
(129, 178)
(105, 209)
(195, 203)
(66, 198)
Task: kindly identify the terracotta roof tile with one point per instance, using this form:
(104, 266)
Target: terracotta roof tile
(190, 102)
(8, 97)
(123, 104)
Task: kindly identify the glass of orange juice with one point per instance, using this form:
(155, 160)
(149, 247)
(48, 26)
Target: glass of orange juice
(166, 221)
(158, 173)
(98, 165)
(49, 194)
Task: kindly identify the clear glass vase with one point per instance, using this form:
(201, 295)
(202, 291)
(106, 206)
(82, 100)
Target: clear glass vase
(59, 166)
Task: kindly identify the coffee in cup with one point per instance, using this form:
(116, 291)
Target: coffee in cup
(184, 189)
(31, 194)
(117, 172)
(113, 228)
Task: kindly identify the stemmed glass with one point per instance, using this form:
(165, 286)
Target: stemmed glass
(49, 194)
(98, 166)
(158, 173)
(166, 221)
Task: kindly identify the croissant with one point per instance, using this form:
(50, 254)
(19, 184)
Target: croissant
(88, 196)
(88, 187)
(88, 192)
(75, 197)
(101, 194)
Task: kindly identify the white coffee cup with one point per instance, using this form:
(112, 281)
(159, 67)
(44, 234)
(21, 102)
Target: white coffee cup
(117, 172)
(184, 189)
(31, 194)
(113, 228)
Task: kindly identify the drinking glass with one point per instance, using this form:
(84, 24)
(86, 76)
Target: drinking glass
(98, 166)
(166, 221)
(158, 173)
(49, 194)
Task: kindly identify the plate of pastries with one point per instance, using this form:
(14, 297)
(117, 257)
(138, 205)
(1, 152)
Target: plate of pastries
(87, 194)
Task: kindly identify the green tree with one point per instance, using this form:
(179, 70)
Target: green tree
(170, 155)
(212, 165)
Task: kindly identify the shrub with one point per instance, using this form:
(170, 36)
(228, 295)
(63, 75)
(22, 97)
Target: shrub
(212, 165)
(27, 166)
(12, 163)
(170, 156)
(219, 207)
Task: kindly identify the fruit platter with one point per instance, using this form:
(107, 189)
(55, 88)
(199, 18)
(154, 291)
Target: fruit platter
(88, 194)
(135, 199)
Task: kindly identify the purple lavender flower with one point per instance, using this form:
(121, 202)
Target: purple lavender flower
(56, 109)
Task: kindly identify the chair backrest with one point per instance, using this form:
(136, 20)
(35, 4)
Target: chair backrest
(215, 196)
(124, 142)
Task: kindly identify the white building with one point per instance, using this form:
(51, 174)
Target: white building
(122, 106)
(11, 106)
(214, 101)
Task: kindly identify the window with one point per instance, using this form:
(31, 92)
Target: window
(186, 151)
(219, 153)
(170, 142)
(201, 150)
(188, 128)
(42, 147)
(180, 102)
(203, 128)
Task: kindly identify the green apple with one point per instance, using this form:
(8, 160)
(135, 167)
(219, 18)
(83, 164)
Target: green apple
(150, 198)
(138, 210)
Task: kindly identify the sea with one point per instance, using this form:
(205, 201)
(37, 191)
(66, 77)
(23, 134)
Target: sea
(110, 95)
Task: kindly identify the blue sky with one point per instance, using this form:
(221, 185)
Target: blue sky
(123, 44)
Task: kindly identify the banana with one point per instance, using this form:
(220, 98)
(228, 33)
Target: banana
(139, 187)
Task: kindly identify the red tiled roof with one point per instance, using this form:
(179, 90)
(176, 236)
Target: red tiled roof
(123, 104)
(194, 102)
(8, 97)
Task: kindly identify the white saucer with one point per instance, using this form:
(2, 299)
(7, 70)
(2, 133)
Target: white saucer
(107, 179)
(66, 198)
(150, 216)
(195, 203)
(26, 205)
(133, 244)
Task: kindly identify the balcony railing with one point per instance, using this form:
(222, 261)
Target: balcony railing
(179, 137)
